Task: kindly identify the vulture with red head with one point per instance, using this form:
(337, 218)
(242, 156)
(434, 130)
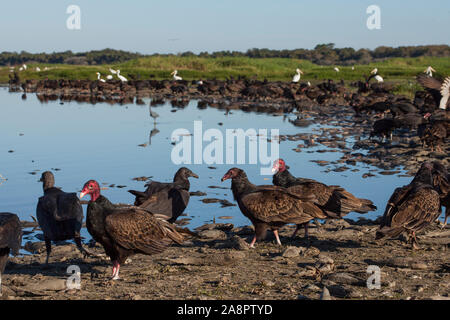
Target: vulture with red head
(270, 207)
(125, 231)
(335, 201)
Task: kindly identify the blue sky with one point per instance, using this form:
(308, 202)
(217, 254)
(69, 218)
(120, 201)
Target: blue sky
(210, 25)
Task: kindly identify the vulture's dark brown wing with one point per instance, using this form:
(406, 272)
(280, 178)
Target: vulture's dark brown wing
(429, 82)
(280, 206)
(170, 203)
(397, 197)
(10, 232)
(136, 229)
(419, 207)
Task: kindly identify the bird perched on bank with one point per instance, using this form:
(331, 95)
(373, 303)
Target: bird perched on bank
(429, 71)
(374, 71)
(109, 77)
(334, 201)
(270, 207)
(98, 77)
(440, 89)
(297, 76)
(125, 231)
(175, 77)
(59, 215)
(336, 69)
(122, 78)
(112, 71)
(168, 199)
(10, 237)
(412, 207)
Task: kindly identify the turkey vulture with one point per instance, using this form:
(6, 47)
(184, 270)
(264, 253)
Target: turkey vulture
(439, 89)
(383, 128)
(270, 207)
(124, 231)
(10, 237)
(168, 199)
(441, 178)
(335, 201)
(59, 215)
(433, 135)
(412, 207)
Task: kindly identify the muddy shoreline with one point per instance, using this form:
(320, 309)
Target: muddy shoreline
(221, 266)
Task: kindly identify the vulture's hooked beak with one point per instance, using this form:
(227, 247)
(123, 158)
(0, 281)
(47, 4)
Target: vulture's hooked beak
(193, 175)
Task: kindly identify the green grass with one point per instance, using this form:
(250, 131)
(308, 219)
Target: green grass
(401, 71)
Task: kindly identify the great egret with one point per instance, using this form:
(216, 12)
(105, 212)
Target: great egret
(175, 77)
(38, 69)
(122, 78)
(429, 71)
(109, 77)
(336, 69)
(379, 78)
(98, 77)
(24, 66)
(112, 71)
(297, 76)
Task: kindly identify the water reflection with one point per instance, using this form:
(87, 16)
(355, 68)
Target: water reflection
(103, 141)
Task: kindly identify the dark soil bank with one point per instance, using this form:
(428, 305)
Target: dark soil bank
(221, 266)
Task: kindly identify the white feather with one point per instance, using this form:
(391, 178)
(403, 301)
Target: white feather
(445, 92)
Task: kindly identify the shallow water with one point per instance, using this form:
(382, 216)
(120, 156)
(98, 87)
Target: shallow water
(101, 142)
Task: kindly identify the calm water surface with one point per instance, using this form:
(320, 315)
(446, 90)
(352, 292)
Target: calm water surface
(101, 142)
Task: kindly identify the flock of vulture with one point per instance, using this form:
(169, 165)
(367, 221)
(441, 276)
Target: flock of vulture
(147, 227)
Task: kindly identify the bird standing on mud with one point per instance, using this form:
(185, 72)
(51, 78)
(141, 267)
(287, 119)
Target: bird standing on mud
(412, 207)
(125, 231)
(270, 207)
(297, 76)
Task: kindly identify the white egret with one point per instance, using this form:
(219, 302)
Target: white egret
(379, 78)
(429, 71)
(336, 69)
(112, 71)
(109, 77)
(175, 77)
(297, 76)
(38, 69)
(374, 71)
(122, 78)
(98, 77)
(24, 66)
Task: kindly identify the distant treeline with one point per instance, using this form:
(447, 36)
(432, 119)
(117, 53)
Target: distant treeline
(322, 54)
